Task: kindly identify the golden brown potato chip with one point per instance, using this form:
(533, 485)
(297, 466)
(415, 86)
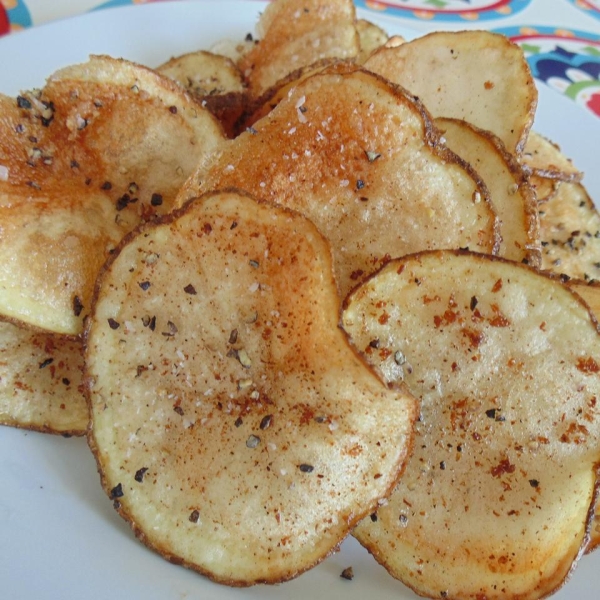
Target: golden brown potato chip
(41, 381)
(478, 76)
(138, 126)
(570, 233)
(297, 33)
(512, 197)
(362, 160)
(497, 497)
(103, 146)
(233, 424)
(259, 107)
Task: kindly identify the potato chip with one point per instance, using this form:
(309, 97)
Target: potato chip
(138, 125)
(214, 80)
(478, 76)
(590, 292)
(297, 33)
(496, 499)
(370, 37)
(41, 381)
(233, 424)
(512, 197)
(103, 146)
(204, 73)
(547, 166)
(570, 233)
(362, 160)
(52, 247)
(257, 108)
(544, 157)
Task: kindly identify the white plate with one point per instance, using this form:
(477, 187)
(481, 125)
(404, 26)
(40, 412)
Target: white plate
(59, 535)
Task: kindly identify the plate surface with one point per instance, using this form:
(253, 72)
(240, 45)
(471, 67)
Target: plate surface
(60, 537)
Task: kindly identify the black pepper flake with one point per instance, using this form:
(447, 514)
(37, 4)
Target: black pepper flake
(148, 321)
(156, 199)
(474, 302)
(171, 329)
(251, 130)
(194, 516)
(305, 468)
(173, 110)
(374, 517)
(74, 164)
(491, 413)
(233, 336)
(266, 422)
(113, 324)
(234, 225)
(117, 492)
(534, 483)
(374, 343)
(107, 185)
(189, 289)
(23, 102)
(403, 519)
(145, 285)
(347, 573)
(66, 381)
(254, 263)
(46, 362)
(124, 201)
(443, 465)
(239, 422)
(360, 184)
(178, 410)
(139, 474)
(249, 37)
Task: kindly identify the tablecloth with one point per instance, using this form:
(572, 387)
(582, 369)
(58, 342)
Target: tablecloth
(561, 38)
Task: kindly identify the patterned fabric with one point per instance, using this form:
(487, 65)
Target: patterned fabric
(447, 10)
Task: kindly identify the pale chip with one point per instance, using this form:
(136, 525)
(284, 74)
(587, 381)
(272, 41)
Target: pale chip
(214, 80)
(478, 76)
(497, 496)
(547, 166)
(41, 382)
(570, 233)
(370, 37)
(233, 424)
(512, 197)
